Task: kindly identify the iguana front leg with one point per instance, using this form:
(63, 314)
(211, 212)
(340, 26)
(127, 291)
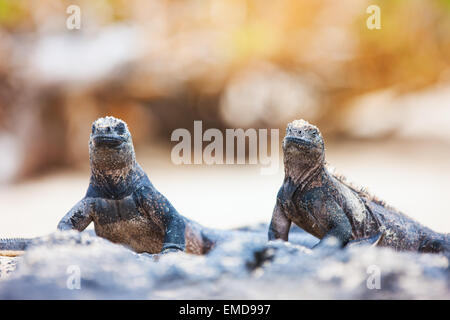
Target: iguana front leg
(164, 214)
(331, 215)
(280, 224)
(78, 218)
(174, 238)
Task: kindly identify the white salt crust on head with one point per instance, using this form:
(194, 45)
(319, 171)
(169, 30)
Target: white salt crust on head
(108, 121)
(300, 124)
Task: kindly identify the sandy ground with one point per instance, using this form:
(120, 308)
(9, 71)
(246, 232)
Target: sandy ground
(413, 178)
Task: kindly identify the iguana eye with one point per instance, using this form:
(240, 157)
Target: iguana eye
(93, 128)
(312, 132)
(120, 128)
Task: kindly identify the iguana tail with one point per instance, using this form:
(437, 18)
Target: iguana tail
(12, 247)
(371, 241)
(440, 243)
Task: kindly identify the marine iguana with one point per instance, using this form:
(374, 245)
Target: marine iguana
(123, 204)
(324, 204)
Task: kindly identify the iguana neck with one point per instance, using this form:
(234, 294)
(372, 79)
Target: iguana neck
(113, 175)
(114, 180)
(301, 173)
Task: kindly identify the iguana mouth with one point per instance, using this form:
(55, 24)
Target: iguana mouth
(108, 141)
(299, 141)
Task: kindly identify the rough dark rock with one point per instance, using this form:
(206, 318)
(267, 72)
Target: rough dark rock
(247, 268)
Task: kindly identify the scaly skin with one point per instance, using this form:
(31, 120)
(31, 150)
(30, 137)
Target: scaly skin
(18, 244)
(13, 247)
(325, 205)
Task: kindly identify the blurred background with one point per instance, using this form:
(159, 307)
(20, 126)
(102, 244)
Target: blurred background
(380, 97)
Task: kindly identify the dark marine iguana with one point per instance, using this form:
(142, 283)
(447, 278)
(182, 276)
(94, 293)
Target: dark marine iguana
(123, 204)
(324, 204)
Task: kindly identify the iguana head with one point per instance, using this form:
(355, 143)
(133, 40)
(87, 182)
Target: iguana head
(110, 146)
(303, 145)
